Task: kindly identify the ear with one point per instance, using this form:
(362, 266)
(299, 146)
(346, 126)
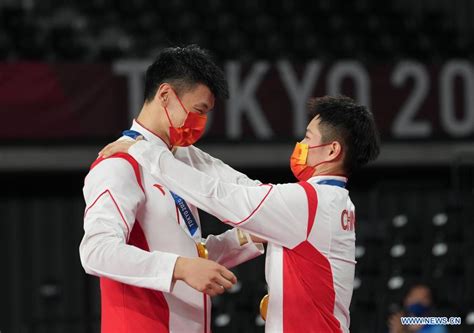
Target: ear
(162, 94)
(335, 152)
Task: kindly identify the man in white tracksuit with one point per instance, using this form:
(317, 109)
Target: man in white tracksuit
(143, 240)
(310, 225)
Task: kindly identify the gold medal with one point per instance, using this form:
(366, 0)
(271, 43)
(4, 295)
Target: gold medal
(242, 237)
(264, 307)
(202, 250)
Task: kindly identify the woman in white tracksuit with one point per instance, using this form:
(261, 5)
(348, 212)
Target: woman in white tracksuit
(309, 225)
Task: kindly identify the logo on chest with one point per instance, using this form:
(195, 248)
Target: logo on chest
(158, 186)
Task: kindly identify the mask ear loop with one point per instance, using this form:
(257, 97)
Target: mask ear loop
(179, 100)
(168, 116)
(182, 105)
(185, 110)
(324, 144)
(318, 164)
(319, 146)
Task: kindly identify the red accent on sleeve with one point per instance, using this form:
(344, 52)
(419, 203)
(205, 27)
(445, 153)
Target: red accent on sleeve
(253, 212)
(116, 205)
(128, 158)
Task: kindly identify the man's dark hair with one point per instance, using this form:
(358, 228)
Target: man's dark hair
(184, 68)
(351, 124)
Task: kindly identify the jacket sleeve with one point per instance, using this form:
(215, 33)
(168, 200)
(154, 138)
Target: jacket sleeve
(212, 166)
(232, 248)
(113, 196)
(277, 213)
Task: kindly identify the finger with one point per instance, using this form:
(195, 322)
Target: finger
(112, 149)
(212, 292)
(106, 150)
(228, 275)
(220, 280)
(106, 153)
(101, 152)
(111, 146)
(215, 289)
(218, 289)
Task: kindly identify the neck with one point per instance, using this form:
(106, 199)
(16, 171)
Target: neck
(153, 118)
(329, 169)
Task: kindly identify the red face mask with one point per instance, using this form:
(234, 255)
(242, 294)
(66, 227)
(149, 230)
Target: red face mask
(298, 161)
(192, 129)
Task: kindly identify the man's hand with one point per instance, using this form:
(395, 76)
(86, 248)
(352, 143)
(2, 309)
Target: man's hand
(119, 146)
(204, 275)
